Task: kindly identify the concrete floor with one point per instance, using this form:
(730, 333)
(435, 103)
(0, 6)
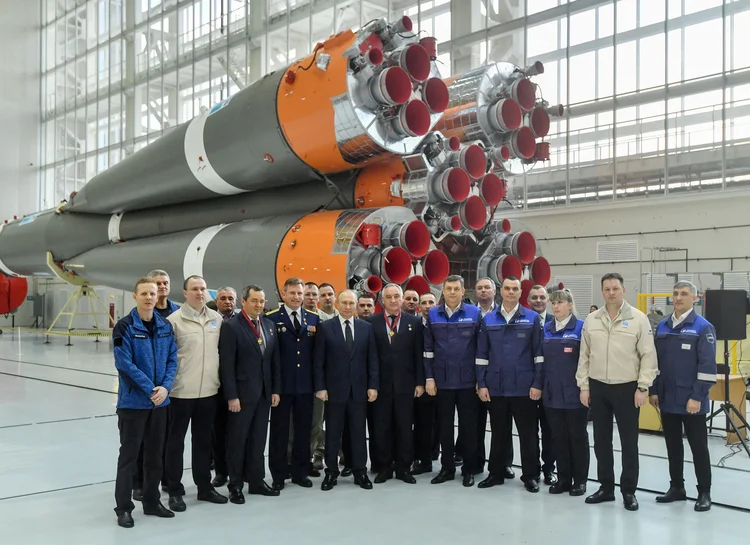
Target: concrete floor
(58, 451)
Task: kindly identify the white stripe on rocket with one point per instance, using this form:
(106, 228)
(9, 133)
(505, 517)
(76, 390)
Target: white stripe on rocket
(197, 160)
(113, 228)
(196, 250)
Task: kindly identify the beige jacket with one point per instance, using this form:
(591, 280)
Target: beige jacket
(619, 351)
(197, 338)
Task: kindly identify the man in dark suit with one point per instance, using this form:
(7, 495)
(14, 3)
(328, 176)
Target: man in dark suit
(251, 380)
(295, 329)
(399, 340)
(346, 377)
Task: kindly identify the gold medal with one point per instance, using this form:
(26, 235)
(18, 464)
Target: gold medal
(391, 333)
(260, 341)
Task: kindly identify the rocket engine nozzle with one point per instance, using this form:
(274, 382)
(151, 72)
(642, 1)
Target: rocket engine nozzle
(435, 267)
(413, 119)
(504, 266)
(505, 115)
(539, 122)
(435, 95)
(452, 186)
(391, 87)
(473, 160)
(521, 143)
(540, 271)
(492, 189)
(473, 213)
(415, 60)
(413, 236)
(417, 283)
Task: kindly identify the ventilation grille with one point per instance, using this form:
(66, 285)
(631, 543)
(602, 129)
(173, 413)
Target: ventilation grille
(660, 283)
(623, 250)
(736, 280)
(582, 288)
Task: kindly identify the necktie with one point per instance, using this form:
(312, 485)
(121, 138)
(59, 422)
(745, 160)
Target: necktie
(393, 319)
(260, 335)
(349, 336)
(295, 320)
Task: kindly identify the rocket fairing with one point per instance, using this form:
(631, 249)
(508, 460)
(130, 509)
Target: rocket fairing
(399, 183)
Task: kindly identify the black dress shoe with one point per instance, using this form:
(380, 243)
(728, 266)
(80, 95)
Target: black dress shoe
(219, 480)
(550, 478)
(406, 477)
(703, 503)
(363, 481)
(278, 485)
(532, 485)
(383, 476)
(559, 488)
(509, 473)
(347, 472)
(137, 494)
(125, 520)
(236, 496)
(312, 472)
(418, 468)
(600, 496)
(467, 480)
(629, 501)
(673, 494)
(212, 496)
(443, 476)
(262, 489)
(329, 482)
(577, 490)
(304, 482)
(491, 481)
(458, 460)
(177, 504)
(158, 510)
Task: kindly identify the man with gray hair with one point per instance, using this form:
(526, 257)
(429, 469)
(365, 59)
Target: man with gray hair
(164, 306)
(686, 352)
(226, 301)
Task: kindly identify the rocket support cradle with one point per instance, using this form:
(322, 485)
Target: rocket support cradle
(326, 170)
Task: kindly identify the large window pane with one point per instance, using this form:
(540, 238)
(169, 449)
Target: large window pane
(651, 65)
(703, 48)
(583, 77)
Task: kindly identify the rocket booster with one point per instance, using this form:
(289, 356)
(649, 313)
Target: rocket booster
(358, 98)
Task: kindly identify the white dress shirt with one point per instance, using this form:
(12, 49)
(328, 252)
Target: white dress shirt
(484, 313)
(543, 316)
(508, 315)
(343, 325)
(289, 311)
(450, 312)
(677, 321)
(388, 323)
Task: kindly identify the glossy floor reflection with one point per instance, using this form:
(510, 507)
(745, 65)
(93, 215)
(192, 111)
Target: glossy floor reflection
(58, 450)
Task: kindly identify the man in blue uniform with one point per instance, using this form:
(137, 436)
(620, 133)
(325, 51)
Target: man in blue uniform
(509, 376)
(686, 353)
(146, 362)
(295, 330)
(450, 342)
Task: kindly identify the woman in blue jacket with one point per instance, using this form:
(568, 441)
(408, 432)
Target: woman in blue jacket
(568, 418)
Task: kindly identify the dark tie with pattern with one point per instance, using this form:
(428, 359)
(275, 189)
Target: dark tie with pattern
(261, 344)
(349, 336)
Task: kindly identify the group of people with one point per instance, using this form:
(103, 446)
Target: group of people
(325, 369)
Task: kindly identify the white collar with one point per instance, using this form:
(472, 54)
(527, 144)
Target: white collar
(342, 320)
(561, 325)
(509, 315)
(289, 311)
(677, 321)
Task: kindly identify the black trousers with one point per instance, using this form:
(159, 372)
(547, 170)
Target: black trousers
(483, 412)
(338, 414)
(394, 438)
(199, 414)
(425, 428)
(523, 411)
(246, 442)
(139, 427)
(570, 443)
(697, 436)
(219, 447)
(548, 452)
(608, 400)
(465, 401)
(300, 408)
(372, 438)
(138, 474)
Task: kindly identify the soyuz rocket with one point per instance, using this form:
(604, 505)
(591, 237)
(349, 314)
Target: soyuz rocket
(357, 165)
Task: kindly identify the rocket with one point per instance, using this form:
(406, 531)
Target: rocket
(356, 165)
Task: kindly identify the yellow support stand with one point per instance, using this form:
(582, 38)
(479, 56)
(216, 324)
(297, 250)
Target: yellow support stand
(83, 290)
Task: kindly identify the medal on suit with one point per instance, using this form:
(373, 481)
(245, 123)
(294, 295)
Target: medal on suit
(260, 341)
(391, 333)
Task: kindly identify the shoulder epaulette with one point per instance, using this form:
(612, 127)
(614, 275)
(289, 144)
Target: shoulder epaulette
(272, 311)
(312, 312)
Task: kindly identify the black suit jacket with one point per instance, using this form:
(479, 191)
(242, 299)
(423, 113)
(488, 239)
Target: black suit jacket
(341, 372)
(246, 372)
(400, 361)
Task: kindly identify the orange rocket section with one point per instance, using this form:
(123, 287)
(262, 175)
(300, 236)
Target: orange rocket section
(303, 252)
(304, 104)
(373, 189)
